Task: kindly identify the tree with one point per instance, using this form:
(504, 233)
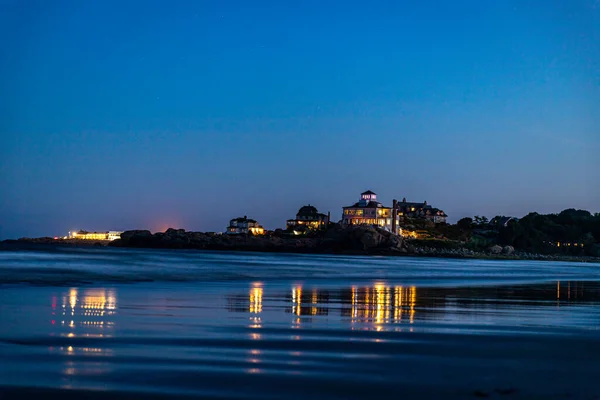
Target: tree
(481, 221)
(465, 224)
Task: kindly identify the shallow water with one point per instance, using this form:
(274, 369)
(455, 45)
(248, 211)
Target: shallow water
(248, 325)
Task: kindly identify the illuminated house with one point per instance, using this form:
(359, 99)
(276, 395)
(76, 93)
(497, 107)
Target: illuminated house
(308, 216)
(85, 235)
(244, 225)
(422, 210)
(368, 211)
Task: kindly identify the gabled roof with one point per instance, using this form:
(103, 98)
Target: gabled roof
(368, 192)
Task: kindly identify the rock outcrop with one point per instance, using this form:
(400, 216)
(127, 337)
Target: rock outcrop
(508, 250)
(336, 239)
(495, 249)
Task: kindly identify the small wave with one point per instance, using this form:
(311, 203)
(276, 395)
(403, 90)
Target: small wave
(108, 265)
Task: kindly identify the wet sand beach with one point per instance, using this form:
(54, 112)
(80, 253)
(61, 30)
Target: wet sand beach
(100, 323)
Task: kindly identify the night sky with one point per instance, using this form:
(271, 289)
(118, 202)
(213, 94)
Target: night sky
(142, 114)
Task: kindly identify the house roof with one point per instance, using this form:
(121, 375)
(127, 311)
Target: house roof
(413, 204)
(307, 211)
(243, 219)
(437, 211)
(370, 204)
(402, 207)
(501, 221)
(369, 192)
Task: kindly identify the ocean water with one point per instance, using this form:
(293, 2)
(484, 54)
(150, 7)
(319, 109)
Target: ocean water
(100, 322)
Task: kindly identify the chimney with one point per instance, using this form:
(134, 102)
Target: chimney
(394, 215)
(328, 217)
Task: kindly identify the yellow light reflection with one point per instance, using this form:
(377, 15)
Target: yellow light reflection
(354, 311)
(398, 303)
(73, 299)
(380, 304)
(413, 301)
(254, 371)
(297, 300)
(93, 302)
(256, 295)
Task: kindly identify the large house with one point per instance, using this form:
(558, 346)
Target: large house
(244, 225)
(308, 216)
(368, 211)
(422, 210)
(85, 235)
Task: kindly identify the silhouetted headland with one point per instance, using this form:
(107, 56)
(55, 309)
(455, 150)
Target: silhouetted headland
(336, 239)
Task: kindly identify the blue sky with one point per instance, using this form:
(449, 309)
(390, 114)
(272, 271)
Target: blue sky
(120, 115)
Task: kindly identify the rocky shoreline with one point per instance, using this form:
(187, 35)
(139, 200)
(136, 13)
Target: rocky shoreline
(350, 240)
(337, 239)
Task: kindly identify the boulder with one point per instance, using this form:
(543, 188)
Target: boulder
(395, 242)
(495, 249)
(371, 239)
(134, 238)
(508, 250)
(139, 233)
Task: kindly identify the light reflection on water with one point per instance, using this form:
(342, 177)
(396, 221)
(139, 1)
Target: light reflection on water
(86, 317)
(380, 304)
(89, 314)
(308, 327)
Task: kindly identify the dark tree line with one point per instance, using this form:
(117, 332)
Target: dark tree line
(571, 231)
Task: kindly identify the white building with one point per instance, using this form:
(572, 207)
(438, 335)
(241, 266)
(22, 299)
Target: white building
(85, 235)
(368, 211)
(243, 226)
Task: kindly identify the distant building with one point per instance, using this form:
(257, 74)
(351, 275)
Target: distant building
(243, 226)
(422, 210)
(368, 211)
(85, 235)
(502, 221)
(308, 216)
